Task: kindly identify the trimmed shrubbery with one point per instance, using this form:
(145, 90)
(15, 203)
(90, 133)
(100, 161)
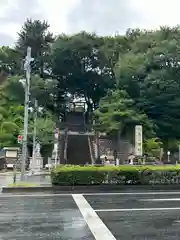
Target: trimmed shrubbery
(131, 175)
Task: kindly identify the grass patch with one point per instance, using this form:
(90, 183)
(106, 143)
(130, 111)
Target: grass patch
(23, 184)
(62, 168)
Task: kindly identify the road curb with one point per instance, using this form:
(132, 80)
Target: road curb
(40, 189)
(90, 189)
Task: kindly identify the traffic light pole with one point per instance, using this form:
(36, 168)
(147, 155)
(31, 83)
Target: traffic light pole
(27, 68)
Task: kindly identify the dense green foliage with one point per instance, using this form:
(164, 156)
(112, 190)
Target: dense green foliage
(118, 112)
(11, 119)
(12, 111)
(132, 175)
(81, 66)
(127, 79)
(35, 34)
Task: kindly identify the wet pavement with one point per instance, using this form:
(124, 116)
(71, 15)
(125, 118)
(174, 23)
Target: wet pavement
(140, 216)
(41, 217)
(39, 179)
(7, 178)
(123, 216)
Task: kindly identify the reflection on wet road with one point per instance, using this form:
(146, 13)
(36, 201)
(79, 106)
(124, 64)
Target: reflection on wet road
(136, 216)
(53, 217)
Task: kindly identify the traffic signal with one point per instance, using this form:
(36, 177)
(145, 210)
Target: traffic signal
(20, 138)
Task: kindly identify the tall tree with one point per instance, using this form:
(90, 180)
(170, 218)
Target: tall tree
(117, 112)
(150, 73)
(81, 66)
(35, 34)
(117, 115)
(12, 92)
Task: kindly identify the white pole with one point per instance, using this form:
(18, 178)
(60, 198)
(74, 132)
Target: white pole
(56, 144)
(56, 156)
(168, 153)
(117, 161)
(27, 68)
(34, 133)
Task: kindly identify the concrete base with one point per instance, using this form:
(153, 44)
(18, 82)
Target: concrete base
(37, 165)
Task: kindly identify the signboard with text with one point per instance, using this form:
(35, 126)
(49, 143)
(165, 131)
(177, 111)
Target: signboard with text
(138, 140)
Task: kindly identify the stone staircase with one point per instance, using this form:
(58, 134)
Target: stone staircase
(78, 152)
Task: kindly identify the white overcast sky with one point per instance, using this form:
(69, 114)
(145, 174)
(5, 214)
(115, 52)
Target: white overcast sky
(104, 17)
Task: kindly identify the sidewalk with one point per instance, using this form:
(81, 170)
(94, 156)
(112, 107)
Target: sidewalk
(43, 179)
(6, 179)
(39, 179)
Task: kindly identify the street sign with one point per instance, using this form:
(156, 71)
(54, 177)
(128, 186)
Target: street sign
(20, 138)
(138, 140)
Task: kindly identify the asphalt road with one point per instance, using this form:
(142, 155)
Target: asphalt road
(123, 216)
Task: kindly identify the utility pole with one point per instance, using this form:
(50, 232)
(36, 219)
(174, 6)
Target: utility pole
(34, 132)
(27, 68)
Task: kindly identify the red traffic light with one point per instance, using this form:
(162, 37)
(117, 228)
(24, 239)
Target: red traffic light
(20, 138)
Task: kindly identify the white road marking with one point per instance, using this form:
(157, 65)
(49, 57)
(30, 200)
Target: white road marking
(136, 209)
(97, 227)
(160, 200)
(176, 221)
(130, 193)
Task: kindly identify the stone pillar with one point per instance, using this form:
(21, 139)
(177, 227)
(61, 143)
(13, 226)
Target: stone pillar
(36, 164)
(54, 153)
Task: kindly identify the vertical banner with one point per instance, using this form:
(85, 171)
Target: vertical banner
(138, 140)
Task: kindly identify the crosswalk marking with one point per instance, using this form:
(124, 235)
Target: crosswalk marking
(97, 227)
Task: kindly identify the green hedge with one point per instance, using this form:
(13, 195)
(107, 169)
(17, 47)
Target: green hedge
(131, 175)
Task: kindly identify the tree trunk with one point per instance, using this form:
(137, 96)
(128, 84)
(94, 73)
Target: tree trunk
(41, 64)
(3, 76)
